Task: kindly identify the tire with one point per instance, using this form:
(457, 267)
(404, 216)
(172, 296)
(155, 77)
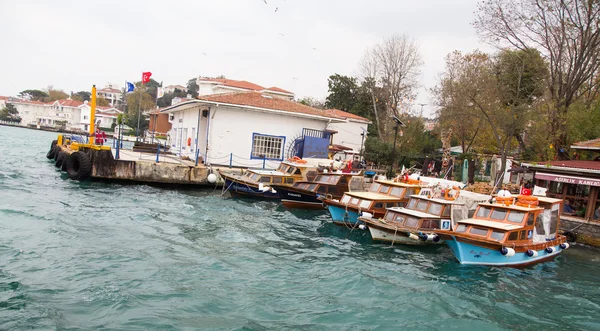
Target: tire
(57, 151)
(60, 159)
(571, 236)
(54, 142)
(79, 166)
(50, 155)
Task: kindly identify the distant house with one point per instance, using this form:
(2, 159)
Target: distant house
(159, 123)
(112, 94)
(172, 88)
(249, 128)
(105, 117)
(210, 86)
(350, 135)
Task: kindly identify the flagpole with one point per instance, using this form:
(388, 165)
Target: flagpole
(137, 130)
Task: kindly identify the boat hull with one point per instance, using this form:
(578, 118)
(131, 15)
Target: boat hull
(298, 199)
(241, 189)
(399, 237)
(470, 253)
(343, 216)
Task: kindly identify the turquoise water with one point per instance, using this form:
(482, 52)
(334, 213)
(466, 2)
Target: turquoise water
(122, 257)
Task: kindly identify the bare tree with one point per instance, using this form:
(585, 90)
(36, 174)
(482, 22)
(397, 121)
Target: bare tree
(394, 65)
(567, 32)
(368, 72)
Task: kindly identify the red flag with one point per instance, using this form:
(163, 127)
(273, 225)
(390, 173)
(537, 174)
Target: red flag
(146, 77)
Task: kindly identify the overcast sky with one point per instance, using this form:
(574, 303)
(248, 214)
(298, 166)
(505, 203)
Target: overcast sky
(74, 44)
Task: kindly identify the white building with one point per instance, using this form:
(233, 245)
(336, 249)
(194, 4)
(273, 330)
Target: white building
(105, 117)
(350, 134)
(249, 129)
(210, 86)
(112, 94)
(31, 112)
(3, 101)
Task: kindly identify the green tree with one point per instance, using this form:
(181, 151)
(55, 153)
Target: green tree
(193, 88)
(82, 96)
(312, 102)
(54, 95)
(102, 102)
(138, 102)
(166, 99)
(34, 95)
(9, 113)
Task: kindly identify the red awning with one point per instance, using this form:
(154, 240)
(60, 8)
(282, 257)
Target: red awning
(568, 179)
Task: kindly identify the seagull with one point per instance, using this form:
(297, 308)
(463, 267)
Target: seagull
(203, 53)
(265, 1)
(282, 34)
(276, 9)
(314, 49)
(295, 78)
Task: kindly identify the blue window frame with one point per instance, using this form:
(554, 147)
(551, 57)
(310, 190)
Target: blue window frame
(267, 147)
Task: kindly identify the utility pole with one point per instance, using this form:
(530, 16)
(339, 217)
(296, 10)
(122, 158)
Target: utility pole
(421, 104)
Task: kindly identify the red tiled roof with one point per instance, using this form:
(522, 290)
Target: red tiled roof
(70, 103)
(589, 144)
(578, 164)
(254, 99)
(106, 114)
(236, 83)
(277, 89)
(346, 115)
(3, 98)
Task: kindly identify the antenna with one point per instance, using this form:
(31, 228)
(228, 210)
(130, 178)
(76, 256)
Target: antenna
(421, 104)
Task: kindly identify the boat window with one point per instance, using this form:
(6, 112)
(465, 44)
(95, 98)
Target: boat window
(522, 235)
(255, 177)
(322, 189)
(422, 205)
(435, 208)
(389, 216)
(354, 201)
(516, 216)
(248, 174)
(343, 180)
(289, 180)
(430, 224)
(496, 235)
(374, 187)
(320, 179)
(378, 205)
(384, 189)
(530, 219)
(483, 212)
(390, 205)
(345, 198)
(277, 180)
(400, 204)
(478, 231)
(410, 191)
(539, 224)
(312, 187)
(412, 203)
(399, 219)
(498, 214)
(447, 210)
(334, 190)
(553, 219)
(297, 172)
(513, 235)
(461, 228)
(365, 204)
(333, 179)
(397, 192)
(265, 179)
(297, 185)
(412, 222)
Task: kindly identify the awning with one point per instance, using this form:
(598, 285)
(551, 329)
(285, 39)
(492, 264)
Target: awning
(568, 179)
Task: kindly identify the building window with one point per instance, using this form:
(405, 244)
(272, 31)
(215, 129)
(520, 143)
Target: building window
(85, 117)
(267, 147)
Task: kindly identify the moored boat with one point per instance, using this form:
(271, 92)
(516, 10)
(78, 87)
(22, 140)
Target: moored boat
(381, 195)
(513, 231)
(258, 182)
(304, 194)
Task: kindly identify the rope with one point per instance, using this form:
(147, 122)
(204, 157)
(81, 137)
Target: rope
(394, 239)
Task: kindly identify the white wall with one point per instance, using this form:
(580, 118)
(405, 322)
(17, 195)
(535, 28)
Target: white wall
(348, 134)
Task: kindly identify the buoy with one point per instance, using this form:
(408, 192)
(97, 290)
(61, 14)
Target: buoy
(531, 253)
(549, 250)
(212, 178)
(362, 227)
(432, 237)
(508, 252)
(367, 215)
(564, 245)
(413, 236)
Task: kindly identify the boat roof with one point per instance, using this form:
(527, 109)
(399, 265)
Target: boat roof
(269, 172)
(439, 200)
(512, 207)
(392, 183)
(541, 199)
(412, 212)
(491, 224)
(372, 196)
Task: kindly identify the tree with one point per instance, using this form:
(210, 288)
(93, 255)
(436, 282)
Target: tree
(166, 99)
(193, 88)
(312, 102)
(82, 96)
(54, 95)
(568, 35)
(138, 102)
(33, 95)
(10, 113)
(102, 102)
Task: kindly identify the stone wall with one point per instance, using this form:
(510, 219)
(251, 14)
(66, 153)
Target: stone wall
(587, 232)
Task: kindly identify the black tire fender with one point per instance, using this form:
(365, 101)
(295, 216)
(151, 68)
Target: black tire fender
(60, 159)
(79, 166)
(51, 153)
(571, 236)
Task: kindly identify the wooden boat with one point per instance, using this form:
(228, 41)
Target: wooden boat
(304, 194)
(381, 195)
(258, 182)
(416, 223)
(513, 231)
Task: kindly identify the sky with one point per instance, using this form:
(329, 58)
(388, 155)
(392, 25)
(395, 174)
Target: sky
(292, 44)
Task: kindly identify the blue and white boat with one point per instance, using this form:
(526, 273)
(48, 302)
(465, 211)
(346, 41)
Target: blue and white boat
(515, 232)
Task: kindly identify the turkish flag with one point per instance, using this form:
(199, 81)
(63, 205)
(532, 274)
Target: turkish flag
(146, 77)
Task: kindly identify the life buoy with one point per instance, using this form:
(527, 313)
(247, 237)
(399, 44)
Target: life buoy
(189, 141)
(455, 196)
(505, 200)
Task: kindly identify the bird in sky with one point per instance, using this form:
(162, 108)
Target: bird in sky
(282, 34)
(276, 9)
(203, 53)
(295, 78)
(314, 49)
(265, 1)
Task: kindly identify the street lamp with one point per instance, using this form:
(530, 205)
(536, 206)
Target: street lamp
(398, 123)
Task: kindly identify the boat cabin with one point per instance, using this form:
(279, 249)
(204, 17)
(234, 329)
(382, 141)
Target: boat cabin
(422, 212)
(326, 184)
(286, 174)
(381, 195)
(517, 223)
